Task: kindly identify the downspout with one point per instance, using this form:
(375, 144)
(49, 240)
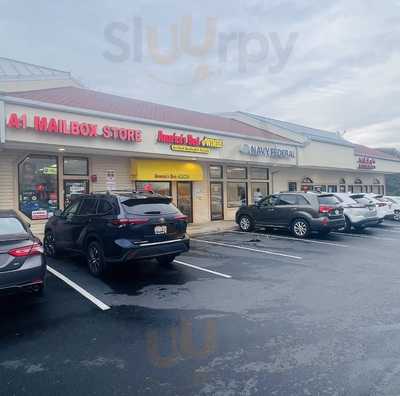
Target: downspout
(2, 123)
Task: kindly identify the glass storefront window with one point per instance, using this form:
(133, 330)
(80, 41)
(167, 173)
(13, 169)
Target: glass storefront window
(38, 186)
(332, 188)
(76, 166)
(259, 191)
(158, 187)
(215, 172)
(234, 172)
(259, 173)
(237, 194)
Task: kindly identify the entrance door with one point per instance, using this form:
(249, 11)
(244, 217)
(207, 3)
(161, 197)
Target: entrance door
(185, 199)
(217, 200)
(74, 187)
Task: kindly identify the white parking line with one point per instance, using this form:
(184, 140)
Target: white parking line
(79, 289)
(247, 248)
(202, 269)
(363, 236)
(293, 239)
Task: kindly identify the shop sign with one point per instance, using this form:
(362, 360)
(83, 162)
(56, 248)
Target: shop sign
(366, 163)
(161, 170)
(40, 215)
(45, 124)
(189, 143)
(273, 152)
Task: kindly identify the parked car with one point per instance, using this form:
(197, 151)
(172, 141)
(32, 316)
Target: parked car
(396, 206)
(118, 228)
(358, 215)
(22, 262)
(300, 212)
(385, 205)
(366, 199)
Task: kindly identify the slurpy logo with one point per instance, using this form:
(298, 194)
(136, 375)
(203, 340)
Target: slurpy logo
(213, 54)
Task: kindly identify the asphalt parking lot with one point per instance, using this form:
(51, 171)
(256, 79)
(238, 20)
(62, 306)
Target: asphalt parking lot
(257, 313)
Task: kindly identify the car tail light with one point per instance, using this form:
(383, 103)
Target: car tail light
(25, 251)
(133, 221)
(181, 217)
(326, 209)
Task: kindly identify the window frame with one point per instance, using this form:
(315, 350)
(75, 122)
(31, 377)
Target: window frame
(227, 193)
(252, 178)
(221, 174)
(19, 177)
(76, 158)
(155, 181)
(237, 178)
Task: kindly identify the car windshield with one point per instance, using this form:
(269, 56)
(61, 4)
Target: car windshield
(363, 200)
(11, 226)
(328, 200)
(139, 208)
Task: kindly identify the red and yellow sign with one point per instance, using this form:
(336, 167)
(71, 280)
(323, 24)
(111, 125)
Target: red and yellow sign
(189, 143)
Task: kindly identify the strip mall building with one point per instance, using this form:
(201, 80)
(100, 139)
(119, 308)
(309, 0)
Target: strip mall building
(59, 141)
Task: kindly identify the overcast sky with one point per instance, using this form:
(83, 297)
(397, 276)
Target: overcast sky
(330, 65)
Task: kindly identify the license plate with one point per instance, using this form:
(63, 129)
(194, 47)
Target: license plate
(161, 229)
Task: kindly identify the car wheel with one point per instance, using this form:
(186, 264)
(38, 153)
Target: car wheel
(166, 261)
(300, 228)
(95, 259)
(347, 227)
(49, 245)
(246, 223)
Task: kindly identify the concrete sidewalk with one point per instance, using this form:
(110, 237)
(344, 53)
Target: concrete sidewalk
(211, 226)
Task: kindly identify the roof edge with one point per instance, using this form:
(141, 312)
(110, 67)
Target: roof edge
(7, 98)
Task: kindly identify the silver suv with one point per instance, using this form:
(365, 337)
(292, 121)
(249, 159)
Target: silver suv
(358, 214)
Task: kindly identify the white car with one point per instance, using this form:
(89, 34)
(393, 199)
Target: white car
(357, 214)
(395, 206)
(387, 206)
(365, 199)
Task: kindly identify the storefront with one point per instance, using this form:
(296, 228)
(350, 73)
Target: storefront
(49, 152)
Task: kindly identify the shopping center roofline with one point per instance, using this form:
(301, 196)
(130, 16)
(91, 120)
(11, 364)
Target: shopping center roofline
(113, 116)
(260, 122)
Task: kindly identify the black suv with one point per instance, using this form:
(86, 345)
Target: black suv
(299, 212)
(118, 227)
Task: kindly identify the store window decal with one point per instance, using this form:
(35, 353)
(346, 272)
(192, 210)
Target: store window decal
(38, 186)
